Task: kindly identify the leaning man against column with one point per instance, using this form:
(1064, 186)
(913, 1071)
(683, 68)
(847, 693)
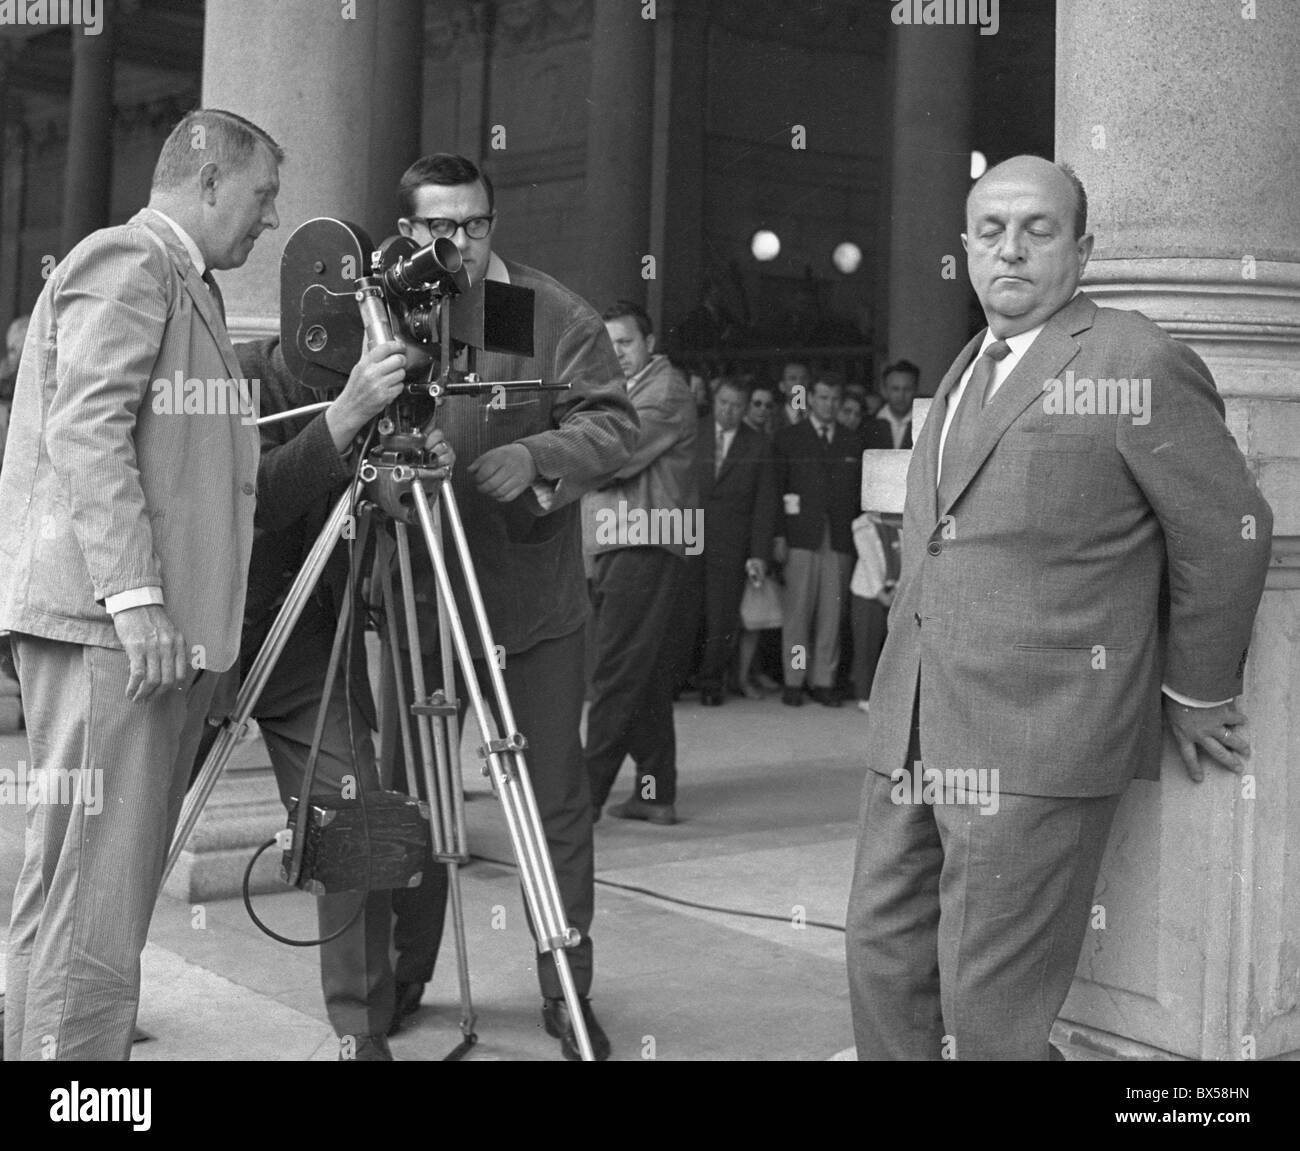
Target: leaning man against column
(123, 556)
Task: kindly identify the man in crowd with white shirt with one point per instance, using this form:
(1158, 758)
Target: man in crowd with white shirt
(892, 428)
(123, 560)
(1071, 572)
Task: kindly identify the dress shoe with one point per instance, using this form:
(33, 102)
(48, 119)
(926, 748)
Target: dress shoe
(406, 1002)
(663, 814)
(826, 696)
(766, 682)
(792, 696)
(711, 698)
(365, 1049)
(555, 1017)
(752, 691)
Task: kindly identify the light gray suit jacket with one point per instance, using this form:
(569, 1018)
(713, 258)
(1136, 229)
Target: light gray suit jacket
(105, 486)
(1085, 560)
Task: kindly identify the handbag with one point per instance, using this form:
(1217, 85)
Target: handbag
(760, 606)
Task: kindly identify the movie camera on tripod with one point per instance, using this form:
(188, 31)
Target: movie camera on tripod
(337, 291)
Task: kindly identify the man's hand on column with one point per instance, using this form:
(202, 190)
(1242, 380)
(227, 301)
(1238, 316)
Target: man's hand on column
(1213, 730)
(157, 651)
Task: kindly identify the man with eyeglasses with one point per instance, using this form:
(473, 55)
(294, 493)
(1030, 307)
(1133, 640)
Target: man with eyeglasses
(525, 465)
(760, 412)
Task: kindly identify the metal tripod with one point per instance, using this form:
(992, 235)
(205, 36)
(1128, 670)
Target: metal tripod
(389, 484)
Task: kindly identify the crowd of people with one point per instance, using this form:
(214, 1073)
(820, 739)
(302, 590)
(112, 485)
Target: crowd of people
(796, 575)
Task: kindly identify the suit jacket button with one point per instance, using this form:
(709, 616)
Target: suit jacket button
(249, 489)
(934, 547)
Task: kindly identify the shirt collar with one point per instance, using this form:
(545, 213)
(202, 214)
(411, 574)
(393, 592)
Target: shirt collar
(191, 248)
(497, 269)
(818, 425)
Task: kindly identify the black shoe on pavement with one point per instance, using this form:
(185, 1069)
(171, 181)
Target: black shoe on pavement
(826, 696)
(364, 1049)
(711, 698)
(792, 696)
(406, 1002)
(664, 814)
(555, 1017)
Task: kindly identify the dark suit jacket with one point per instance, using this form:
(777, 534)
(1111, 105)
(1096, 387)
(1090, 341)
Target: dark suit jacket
(1030, 607)
(828, 483)
(740, 502)
(879, 434)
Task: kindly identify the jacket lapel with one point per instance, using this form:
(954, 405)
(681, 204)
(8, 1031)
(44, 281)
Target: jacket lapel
(204, 304)
(1047, 356)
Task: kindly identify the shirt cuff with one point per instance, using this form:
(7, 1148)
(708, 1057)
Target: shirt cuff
(545, 491)
(134, 597)
(1187, 700)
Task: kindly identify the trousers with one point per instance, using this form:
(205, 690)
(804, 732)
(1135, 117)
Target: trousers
(110, 776)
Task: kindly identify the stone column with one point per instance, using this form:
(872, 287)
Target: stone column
(934, 71)
(338, 87)
(616, 215)
(87, 181)
(1192, 167)
(677, 167)
(342, 97)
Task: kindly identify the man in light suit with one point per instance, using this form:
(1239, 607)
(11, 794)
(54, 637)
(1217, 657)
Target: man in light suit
(128, 499)
(1071, 570)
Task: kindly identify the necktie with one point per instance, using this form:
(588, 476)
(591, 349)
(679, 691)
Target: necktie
(825, 434)
(720, 452)
(964, 429)
(216, 292)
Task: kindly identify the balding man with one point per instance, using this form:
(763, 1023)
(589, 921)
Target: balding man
(122, 571)
(1084, 549)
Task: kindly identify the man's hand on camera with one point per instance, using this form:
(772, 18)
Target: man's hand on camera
(156, 649)
(375, 382)
(504, 473)
(444, 459)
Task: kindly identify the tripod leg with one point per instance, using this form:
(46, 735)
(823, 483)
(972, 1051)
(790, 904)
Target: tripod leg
(505, 760)
(442, 786)
(255, 681)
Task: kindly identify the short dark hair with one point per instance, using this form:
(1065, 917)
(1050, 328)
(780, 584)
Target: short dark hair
(627, 309)
(1080, 200)
(735, 383)
(209, 136)
(905, 366)
(832, 380)
(445, 168)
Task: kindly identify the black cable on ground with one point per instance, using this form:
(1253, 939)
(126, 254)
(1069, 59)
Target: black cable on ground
(684, 902)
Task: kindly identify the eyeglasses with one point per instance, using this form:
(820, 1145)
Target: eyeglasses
(761, 404)
(476, 227)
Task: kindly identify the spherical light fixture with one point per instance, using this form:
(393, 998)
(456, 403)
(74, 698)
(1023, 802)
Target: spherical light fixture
(847, 257)
(765, 245)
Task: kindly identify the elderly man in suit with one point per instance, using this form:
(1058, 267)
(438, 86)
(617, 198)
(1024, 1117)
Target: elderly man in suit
(1072, 568)
(525, 467)
(733, 469)
(122, 569)
(818, 466)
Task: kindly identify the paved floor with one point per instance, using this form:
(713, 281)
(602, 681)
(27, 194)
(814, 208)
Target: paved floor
(768, 801)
